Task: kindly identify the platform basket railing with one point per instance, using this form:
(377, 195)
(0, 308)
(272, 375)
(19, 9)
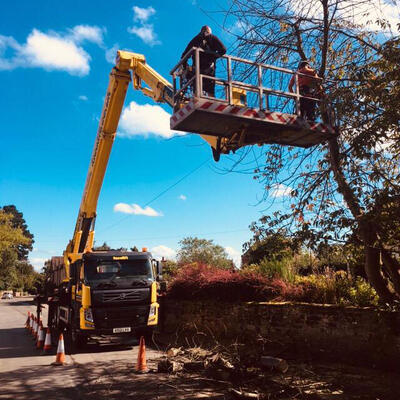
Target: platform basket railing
(188, 82)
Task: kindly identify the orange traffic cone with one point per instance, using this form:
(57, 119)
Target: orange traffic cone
(28, 321)
(35, 336)
(47, 341)
(141, 365)
(40, 340)
(31, 325)
(34, 327)
(60, 357)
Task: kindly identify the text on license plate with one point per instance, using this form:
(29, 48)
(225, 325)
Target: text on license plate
(120, 330)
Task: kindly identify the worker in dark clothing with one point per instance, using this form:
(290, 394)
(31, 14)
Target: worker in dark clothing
(310, 86)
(210, 43)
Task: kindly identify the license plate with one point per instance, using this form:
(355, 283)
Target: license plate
(120, 330)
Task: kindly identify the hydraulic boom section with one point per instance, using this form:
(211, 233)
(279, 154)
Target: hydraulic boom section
(157, 88)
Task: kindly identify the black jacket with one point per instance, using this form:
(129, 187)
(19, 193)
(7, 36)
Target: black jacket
(208, 43)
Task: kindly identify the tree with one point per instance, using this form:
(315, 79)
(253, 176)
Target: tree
(11, 240)
(103, 247)
(275, 246)
(18, 221)
(347, 189)
(193, 249)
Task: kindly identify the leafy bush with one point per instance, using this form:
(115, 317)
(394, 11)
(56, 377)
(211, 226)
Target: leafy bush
(336, 288)
(363, 294)
(283, 268)
(201, 281)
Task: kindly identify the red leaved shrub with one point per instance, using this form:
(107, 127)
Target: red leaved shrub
(199, 281)
(204, 282)
(288, 291)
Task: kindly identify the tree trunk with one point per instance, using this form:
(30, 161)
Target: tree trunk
(392, 266)
(372, 269)
(366, 230)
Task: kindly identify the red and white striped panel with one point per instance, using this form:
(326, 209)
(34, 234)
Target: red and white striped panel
(247, 112)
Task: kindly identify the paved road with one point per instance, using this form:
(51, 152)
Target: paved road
(25, 373)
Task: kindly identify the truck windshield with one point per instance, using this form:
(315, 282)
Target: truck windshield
(95, 270)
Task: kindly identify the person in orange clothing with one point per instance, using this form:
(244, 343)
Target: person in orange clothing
(310, 86)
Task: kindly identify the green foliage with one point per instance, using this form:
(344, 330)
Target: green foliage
(103, 247)
(18, 221)
(337, 288)
(203, 251)
(15, 241)
(11, 238)
(275, 246)
(283, 268)
(170, 269)
(250, 284)
(362, 293)
(346, 189)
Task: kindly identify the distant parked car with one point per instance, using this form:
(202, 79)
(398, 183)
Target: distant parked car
(7, 296)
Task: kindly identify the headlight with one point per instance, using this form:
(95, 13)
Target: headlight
(88, 314)
(153, 310)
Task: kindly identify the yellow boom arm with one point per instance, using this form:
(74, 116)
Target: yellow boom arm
(161, 91)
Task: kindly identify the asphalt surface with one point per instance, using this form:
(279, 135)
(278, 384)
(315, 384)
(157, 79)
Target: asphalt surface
(26, 373)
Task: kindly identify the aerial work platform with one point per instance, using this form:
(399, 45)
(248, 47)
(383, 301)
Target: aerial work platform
(245, 108)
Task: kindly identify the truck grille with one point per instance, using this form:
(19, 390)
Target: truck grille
(121, 296)
(135, 317)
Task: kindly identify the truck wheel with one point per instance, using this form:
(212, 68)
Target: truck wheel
(81, 341)
(69, 341)
(74, 340)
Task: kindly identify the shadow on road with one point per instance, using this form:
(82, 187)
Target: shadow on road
(40, 382)
(17, 342)
(102, 380)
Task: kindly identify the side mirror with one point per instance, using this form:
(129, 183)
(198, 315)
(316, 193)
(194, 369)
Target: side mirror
(163, 287)
(159, 268)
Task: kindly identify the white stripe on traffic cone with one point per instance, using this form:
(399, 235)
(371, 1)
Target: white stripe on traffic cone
(40, 340)
(60, 357)
(34, 327)
(47, 342)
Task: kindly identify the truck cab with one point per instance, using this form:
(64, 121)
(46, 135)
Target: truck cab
(109, 293)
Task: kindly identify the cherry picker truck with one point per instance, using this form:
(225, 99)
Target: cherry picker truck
(96, 293)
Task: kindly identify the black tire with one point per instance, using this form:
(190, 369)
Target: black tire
(69, 341)
(74, 339)
(53, 324)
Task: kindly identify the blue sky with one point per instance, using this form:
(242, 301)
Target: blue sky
(55, 58)
(54, 66)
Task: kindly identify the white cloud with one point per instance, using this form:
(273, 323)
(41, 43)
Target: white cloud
(93, 34)
(142, 14)
(163, 251)
(182, 197)
(83, 98)
(363, 14)
(111, 53)
(279, 190)
(135, 209)
(144, 30)
(234, 255)
(37, 262)
(52, 50)
(146, 33)
(146, 119)
(366, 14)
